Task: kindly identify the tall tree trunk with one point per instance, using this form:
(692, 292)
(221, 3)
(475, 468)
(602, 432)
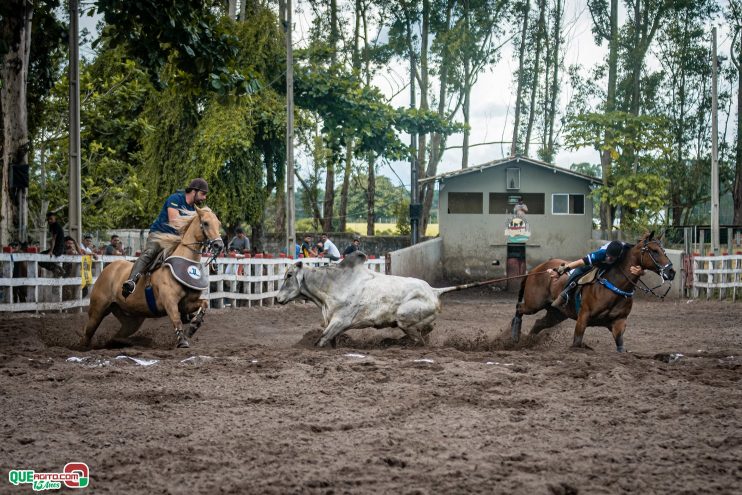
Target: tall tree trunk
(559, 7)
(16, 29)
(328, 205)
(737, 188)
(346, 183)
(606, 219)
(467, 90)
(371, 179)
(536, 74)
(371, 196)
(422, 143)
(333, 31)
(280, 207)
(636, 70)
(519, 91)
(437, 142)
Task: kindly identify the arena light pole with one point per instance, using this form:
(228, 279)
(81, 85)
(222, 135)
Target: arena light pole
(75, 201)
(290, 206)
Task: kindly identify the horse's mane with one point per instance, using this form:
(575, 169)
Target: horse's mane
(168, 242)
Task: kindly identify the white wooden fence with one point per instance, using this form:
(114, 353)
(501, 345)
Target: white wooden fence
(716, 276)
(236, 282)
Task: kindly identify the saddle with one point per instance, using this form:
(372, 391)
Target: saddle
(589, 277)
(189, 273)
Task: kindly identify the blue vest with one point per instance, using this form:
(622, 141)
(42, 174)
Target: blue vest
(177, 201)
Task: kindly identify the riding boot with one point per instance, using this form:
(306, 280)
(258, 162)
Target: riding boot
(564, 296)
(140, 266)
(131, 284)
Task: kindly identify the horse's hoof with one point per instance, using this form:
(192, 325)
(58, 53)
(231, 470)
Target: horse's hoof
(183, 343)
(620, 349)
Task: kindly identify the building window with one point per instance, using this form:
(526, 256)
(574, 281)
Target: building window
(512, 178)
(568, 204)
(502, 203)
(464, 202)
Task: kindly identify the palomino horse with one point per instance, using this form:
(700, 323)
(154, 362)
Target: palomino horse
(606, 302)
(168, 296)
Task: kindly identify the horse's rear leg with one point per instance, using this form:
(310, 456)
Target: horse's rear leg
(617, 329)
(522, 308)
(553, 317)
(580, 328)
(129, 326)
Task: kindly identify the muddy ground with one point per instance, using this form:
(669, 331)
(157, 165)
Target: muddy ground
(258, 410)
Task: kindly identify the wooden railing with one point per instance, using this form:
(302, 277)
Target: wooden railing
(25, 286)
(716, 276)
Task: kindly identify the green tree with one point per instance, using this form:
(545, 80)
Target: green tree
(638, 189)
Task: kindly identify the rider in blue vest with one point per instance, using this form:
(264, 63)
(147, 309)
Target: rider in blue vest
(604, 257)
(175, 205)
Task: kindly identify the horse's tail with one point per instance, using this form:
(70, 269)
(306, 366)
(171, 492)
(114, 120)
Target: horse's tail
(522, 289)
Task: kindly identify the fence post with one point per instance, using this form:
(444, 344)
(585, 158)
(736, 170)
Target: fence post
(7, 291)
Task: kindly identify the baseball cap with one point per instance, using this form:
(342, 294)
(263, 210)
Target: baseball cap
(199, 184)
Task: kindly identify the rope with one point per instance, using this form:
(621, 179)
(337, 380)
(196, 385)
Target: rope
(495, 280)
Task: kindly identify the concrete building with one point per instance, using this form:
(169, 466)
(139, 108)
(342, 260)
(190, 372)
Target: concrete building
(476, 209)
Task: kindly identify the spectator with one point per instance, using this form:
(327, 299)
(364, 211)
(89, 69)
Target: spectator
(115, 248)
(88, 247)
(57, 244)
(353, 247)
(306, 249)
(520, 209)
(329, 250)
(87, 244)
(71, 247)
(240, 243)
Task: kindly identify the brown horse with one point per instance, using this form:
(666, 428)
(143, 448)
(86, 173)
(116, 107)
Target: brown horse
(197, 230)
(600, 305)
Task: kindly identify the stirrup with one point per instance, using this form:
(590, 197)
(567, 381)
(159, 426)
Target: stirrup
(128, 288)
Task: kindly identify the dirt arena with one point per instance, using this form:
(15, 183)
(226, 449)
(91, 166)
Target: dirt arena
(253, 408)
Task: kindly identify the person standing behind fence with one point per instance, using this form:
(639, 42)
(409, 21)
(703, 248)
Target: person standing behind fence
(115, 247)
(306, 249)
(353, 247)
(57, 245)
(329, 249)
(240, 243)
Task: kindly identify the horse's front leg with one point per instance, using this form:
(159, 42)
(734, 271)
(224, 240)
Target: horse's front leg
(617, 329)
(171, 308)
(198, 318)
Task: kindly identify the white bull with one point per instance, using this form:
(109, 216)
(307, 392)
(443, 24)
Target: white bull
(352, 296)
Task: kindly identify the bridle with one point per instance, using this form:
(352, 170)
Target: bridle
(661, 269)
(214, 246)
